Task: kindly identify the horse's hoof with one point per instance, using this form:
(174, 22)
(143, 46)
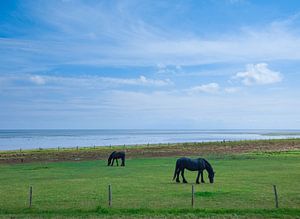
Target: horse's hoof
(197, 182)
(184, 181)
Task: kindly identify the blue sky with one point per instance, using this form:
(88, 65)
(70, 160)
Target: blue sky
(213, 64)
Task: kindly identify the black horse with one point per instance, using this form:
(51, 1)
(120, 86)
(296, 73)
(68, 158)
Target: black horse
(115, 156)
(198, 164)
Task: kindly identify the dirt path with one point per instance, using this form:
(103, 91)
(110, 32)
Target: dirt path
(182, 149)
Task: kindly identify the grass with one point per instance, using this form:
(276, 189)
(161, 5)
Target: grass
(243, 187)
(156, 213)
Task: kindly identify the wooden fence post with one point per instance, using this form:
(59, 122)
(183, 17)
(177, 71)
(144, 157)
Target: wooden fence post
(193, 197)
(109, 196)
(30, 196)
(276, 196)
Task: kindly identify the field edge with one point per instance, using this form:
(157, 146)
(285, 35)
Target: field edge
(144, 212)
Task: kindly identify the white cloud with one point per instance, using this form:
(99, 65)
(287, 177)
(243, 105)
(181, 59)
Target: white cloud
(231, 90)
(87, 81)
(206, 88)
(37, 79)
(258, 74)
(169, 70)
(142, 80)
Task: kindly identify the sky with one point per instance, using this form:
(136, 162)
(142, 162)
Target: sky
(143, 64)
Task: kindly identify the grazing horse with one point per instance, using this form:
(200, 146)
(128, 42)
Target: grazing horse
(198, 164)
(115, 156)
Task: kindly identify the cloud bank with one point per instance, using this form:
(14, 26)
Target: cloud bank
(108, 34)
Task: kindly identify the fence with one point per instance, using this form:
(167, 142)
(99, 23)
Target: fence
(110, 196)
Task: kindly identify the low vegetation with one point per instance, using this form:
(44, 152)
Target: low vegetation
(152, 150)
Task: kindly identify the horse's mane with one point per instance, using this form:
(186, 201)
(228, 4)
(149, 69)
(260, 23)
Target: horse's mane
(110, 156)
(208, 167)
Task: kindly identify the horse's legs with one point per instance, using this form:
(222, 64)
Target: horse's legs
(123, 162)
(117, 162)
(197, 180)
(112, 163)
(182, 174)
(202, 180)
(177, 175)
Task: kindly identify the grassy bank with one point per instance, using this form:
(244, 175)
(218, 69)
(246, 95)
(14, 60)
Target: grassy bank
(144, 188)
(152, 150)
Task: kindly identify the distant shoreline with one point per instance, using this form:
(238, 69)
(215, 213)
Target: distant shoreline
(35, 139)
(148, 145)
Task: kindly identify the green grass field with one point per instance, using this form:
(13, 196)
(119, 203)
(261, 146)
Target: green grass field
(243, 187)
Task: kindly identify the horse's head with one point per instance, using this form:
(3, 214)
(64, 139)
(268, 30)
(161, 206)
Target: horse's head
(211, 177)
(210, 171)
(108, 161)
(110, 158)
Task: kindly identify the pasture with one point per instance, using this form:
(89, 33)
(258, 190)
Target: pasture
(243, 187)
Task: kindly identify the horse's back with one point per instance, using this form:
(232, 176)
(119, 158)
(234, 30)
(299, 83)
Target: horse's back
(190, 164)
(120, 154)
(183, 159)
(186, 159)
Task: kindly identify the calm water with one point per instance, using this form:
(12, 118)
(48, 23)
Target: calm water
(29, 139)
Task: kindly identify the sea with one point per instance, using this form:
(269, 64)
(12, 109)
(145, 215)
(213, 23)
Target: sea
(65, 138)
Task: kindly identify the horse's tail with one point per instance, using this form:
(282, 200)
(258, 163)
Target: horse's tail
(176, 169)
(123, 159)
